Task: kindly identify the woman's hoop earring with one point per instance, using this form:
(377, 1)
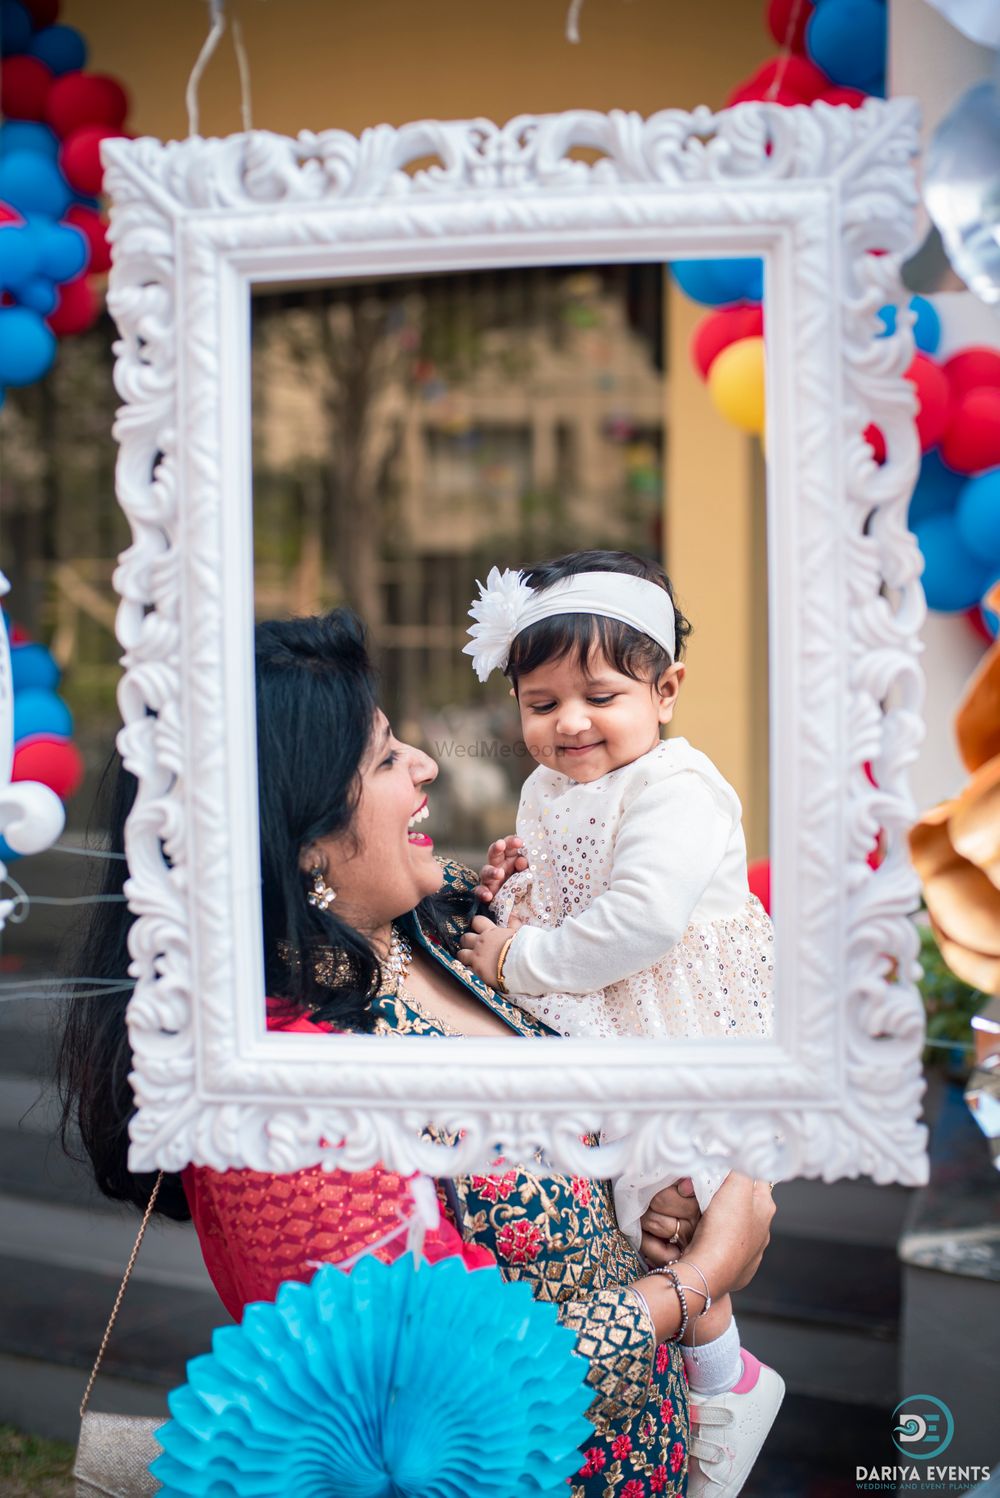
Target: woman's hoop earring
(321, 895)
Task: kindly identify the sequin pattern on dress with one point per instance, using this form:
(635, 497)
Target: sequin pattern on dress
(716, 980)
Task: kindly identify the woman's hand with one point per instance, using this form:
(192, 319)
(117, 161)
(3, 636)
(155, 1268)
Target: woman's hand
(669, 1222)
(729, 1241)
(503, 859)
(481, 946)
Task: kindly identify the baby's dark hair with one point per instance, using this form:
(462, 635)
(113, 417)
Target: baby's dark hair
(626, 649)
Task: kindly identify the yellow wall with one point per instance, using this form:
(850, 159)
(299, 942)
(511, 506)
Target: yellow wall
(351, 63)
(715, 554)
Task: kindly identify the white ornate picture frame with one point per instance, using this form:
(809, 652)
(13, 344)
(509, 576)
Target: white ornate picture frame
(195, 225)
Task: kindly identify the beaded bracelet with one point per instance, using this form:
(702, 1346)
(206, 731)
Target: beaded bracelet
(671, 1274)
(500, 985)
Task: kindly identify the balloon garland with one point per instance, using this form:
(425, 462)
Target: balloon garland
(53, 245)
(52, 236)
(42, 726)
(835, 52)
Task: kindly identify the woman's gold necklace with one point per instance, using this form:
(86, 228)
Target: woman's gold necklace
(396, 971)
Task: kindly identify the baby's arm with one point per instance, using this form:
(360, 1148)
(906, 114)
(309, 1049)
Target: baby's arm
(670, 843)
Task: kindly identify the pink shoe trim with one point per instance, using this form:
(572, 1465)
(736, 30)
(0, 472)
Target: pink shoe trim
(751, 1373)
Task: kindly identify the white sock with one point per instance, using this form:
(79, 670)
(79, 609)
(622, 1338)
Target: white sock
(716, 1367)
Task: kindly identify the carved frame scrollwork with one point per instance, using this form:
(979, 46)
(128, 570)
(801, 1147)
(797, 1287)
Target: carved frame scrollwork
(195, 224)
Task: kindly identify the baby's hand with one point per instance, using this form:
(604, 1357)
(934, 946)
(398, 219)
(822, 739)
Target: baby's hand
(481, 946)
(503, 859)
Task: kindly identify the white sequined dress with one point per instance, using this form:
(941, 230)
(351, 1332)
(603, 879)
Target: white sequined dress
(639, 918)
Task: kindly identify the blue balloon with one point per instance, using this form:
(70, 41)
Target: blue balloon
(61, 48)
(743, 279)
(887, 317)
(990, 619)
(31, 183)
(37, 711)
(927, 328)
(15, 28)
(716, 283)
(28, 135)
(65, 250)
(978, 516)
(39, 294)
(848, 41)
(954, 579)
(27, 346)
(7, 854)
(20, 255)
(936, 490)
(31, 666)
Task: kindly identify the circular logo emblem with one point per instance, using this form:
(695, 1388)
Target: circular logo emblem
(923, 1427)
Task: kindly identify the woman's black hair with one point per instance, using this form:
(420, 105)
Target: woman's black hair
(316, 704)
(626, 649)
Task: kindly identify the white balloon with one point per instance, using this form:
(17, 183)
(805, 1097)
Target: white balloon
(31, 816)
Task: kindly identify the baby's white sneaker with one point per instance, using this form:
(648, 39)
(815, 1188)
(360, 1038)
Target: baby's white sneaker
(728, 1430)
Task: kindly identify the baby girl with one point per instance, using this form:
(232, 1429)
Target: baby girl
(626, 888)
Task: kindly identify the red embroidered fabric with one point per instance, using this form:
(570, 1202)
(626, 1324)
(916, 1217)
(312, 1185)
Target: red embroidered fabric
(257, 1229)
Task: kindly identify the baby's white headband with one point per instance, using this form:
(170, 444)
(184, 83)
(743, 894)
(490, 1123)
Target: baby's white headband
(507, 605)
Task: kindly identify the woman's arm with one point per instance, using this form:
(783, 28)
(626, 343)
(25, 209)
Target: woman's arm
(618, 1330)
(671, 841)
(258, 1229)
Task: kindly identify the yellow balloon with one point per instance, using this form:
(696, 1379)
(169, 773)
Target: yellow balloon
(736, 383)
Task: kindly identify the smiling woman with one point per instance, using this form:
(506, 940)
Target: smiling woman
(337, 791)
(439, 419)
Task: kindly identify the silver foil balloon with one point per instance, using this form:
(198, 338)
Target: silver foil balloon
(962, 188)
(979, 20)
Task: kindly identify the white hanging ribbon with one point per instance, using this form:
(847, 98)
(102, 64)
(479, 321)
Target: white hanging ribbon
(217, 25)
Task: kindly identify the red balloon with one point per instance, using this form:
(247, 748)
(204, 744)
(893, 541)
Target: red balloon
(9, 215)
(719, 329)
(799, 82)
(972, 439)
(763, 93)
(852, 96)
(57, 763)
(93, 227)
(78, 99)
(971, 368)
(759, 878)
(873, 436)
(77, 309)
(25, 85)
(934, 400)
(978, 624)
(778, 19)
(80, 158)
(42, 12)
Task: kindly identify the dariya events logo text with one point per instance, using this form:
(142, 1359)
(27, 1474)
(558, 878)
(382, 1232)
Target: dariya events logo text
(922, 1431)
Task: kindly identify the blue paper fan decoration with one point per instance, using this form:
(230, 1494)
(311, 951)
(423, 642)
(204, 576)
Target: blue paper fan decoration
(394, 1381)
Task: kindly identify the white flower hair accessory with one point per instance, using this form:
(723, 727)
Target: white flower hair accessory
(497, 612)
(507, 605)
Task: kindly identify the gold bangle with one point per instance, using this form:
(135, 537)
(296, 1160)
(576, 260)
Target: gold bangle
(500, 985)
